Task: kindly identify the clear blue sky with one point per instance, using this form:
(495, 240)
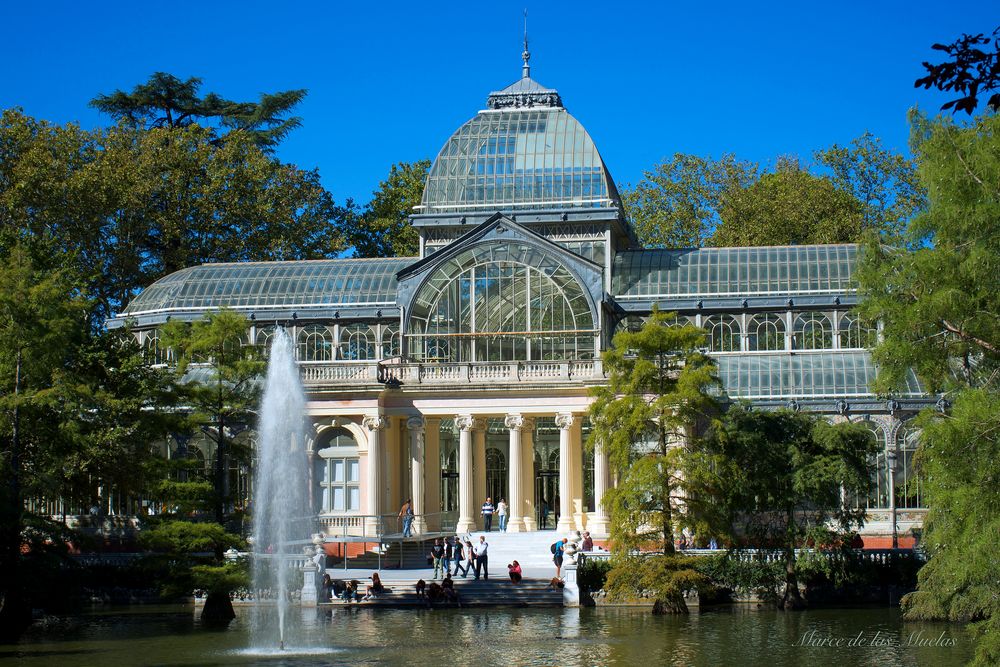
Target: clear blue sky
(390, 81)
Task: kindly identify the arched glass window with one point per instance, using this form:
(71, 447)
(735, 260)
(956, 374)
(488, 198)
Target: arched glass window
(315, 343)
(501, 301)
(337, 472)
(856, 334)
(152, 349)
(766, 332)
(264, 336)
(907, 485)
(496, 475)
(723, 333)
(812, 331)
(357, 342)
(632, 323)
(878, 492)
(390, 341)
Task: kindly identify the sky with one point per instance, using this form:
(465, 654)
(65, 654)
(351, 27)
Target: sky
(390, 82)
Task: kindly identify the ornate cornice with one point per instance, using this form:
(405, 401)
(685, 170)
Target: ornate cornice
(375, 422)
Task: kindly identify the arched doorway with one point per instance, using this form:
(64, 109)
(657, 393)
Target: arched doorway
(496, 474)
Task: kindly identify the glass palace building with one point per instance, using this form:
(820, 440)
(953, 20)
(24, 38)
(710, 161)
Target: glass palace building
(465, 372)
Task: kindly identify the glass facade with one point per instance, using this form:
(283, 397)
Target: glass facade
(286, 284)
(501, 302)
(734, 271)
(516, 159)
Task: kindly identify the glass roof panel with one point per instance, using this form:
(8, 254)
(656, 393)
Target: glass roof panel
(734, 271)
(802, 375)
(517, 158)
(331, 282)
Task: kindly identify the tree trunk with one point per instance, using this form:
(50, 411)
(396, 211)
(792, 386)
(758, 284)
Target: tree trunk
(791, 599)
(218, 609)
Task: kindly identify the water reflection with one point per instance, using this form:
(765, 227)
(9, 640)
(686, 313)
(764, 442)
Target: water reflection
(352, 635)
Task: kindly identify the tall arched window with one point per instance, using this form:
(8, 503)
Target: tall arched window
(856, 334)
(501, 301)
(357, 343)
(496, 474)
(812, 331)
(878, 492)
(337, 472)
(723, 333)
(315, 343)
(390, 341)
(907, 485)
(766, 332)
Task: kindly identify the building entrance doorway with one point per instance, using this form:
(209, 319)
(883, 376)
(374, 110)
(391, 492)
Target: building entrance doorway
(547, 490)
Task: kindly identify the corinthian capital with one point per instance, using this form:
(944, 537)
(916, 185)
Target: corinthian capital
(465, 422)
(514, 422)
(416, 423)
(375, 422)
(565, 420)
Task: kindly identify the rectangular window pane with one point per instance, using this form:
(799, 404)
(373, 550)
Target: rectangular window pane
(338, 499)
(338, 470)
(353, 470)
(355, 498)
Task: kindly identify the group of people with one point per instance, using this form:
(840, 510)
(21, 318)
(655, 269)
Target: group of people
(435, 592)
(454, 555)
(350, 591)
(489, 509)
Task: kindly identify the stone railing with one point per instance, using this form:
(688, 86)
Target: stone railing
(493, 373)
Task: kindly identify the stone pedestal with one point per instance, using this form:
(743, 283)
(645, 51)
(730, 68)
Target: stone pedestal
(310, 585)
(571, 587)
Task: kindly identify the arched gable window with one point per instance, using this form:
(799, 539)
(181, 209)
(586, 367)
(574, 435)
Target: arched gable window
(263, 343)
(812, 331)
(907, 486)
(766, 332)
(390, 341)
(153, 350)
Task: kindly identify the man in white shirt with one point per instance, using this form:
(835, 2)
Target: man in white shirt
(482, 557)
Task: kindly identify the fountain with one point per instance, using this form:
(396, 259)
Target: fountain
(280, 514)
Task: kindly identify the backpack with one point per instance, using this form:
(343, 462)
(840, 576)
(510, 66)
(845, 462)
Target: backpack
(552, 548)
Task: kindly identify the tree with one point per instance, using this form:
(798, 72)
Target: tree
(131, 206)
(383, 228)
(657, 391)
(780, 476)
(788, 207)
(165, 101)
(225, 391)
(972, 71)
(677, 203)
(884, 183)
(938, 304)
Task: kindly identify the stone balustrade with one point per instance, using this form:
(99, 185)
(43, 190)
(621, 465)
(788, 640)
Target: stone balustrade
(349, 373)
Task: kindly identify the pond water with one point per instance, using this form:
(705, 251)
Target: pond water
(480, 636)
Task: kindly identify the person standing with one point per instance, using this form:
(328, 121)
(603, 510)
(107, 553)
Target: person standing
(588, 542)
(488, 514)
(470, 563)
(437, 555)
(482, 558)
(544, 513)
(406, 514)
(456, 553)
(448, 550)
(502, 514)
(557, 555)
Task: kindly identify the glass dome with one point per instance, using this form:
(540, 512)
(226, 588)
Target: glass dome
(518, 158)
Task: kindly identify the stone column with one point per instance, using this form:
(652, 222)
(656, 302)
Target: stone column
(565, 423)
(479, 467)
(528, 461)
(576, 449)
(416, 427)
(376, 426)
(432, 471)
(515, 466)
(598, 524)
(466, 506)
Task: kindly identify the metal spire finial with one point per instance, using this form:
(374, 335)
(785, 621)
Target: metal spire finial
(526, 56)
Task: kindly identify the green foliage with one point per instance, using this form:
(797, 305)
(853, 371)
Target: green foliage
(188, 537)
(164, 101)
(777, 478)
(973, 70)
(677, 203)
(657, 390)
(383, 229)
(883, 182)
(592, 574)
(221, 578)
(228, 396)
(128, 206)
(788, 207)
(663, 579)
(744, 576)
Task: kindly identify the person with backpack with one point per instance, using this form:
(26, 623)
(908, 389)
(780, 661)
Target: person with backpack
(557, 549)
